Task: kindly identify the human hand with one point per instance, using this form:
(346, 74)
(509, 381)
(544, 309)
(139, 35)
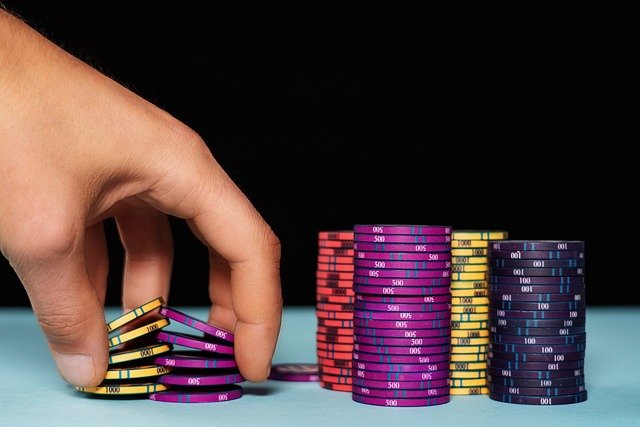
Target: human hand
(77, 148)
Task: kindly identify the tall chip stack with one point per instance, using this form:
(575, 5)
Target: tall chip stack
(470, 310)
(402, 315)
(537, 316)
(335, 297)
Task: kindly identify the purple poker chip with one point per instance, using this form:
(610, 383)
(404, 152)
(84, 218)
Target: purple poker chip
(401, 333)
(538, 306)
(398, 307)
(537, 289)
(537, 263)
(397, 291)
(403, 282)
(402, 238)
(197, 379)
(403, 394)
(378, 349)
(401, 274)
(394, 359)
(534, 366)
(435, 359)
(518, 297)
(535, 272)
(403, 376)
(402, 265)
(209, 395)
(542, 314)
(429, 401)
(522, 331)
(409, 230)
(537, 375)
(303, 372)
(195, 360)
(535, 280)
(540, 400)
(402, 385)
(380, 299)
(403, 256)
(536, 391)
(416, 315)
(402, 324)
(535, 255)
(544, 340)
(192, 341)
(197, 324)
(546, 383)
(537, 245)
(537, 323)
(547, 349)
(402, 247)
(537, 357)
(407, 342)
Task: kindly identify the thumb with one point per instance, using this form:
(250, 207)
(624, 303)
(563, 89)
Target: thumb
(66, 305)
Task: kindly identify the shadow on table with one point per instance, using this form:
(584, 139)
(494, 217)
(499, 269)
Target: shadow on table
(259, 390)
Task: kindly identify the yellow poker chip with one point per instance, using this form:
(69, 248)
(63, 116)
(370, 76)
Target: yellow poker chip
(137, 372)
(469, 268)
(478, 382)
(139, 332)
(469, 252)
(469, 292)
(469, 309)
(469, 325)
(470, 341)
(469, 301)
(139, 353)
(469, 276)
(124, 389)
(470, 357)
(479, 235)
(468, 317)
(460, 391)
(464, 243)
(467, 366)
(469, 260)
(134, 314)
(469, 284)
(482, 373)
(473, 333)
(469, 349)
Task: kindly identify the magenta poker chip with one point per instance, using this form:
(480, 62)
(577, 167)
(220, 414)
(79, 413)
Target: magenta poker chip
(403, 256)
(403, 385)
(400, 333)
(410, 230)
(195, 360)
(403, 394)
(397, 291)
(194, 342)
(210, 395)
(402, 265)
(397, 307)
(197, 324)
(415, 315)
(434, 359)
(402, 274)
(402, 247)
(379, 299)
(378, 349)
(402, 376)
(304, 372)
(196, 379)
(396, 359)
(427, 401)
(399, 282)
(402, 324)
(406, 342)
(402, 238)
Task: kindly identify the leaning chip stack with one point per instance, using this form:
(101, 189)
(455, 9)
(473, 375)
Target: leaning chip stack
(129, 371)
(537, 322)
(334, 290)
(402, 315)
(470, 310)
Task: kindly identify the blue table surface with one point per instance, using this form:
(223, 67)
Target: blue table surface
(31, 393)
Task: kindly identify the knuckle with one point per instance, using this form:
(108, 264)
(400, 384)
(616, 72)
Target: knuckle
(63, 325)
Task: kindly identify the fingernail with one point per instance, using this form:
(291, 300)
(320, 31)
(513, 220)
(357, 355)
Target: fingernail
(78, 369)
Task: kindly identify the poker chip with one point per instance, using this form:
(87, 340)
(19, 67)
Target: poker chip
(299, 372)
(402, 316)
(537, 314)
(334, 339)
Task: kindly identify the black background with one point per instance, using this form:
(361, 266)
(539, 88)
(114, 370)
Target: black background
(475, 117)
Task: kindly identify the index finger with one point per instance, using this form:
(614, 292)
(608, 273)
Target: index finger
(229, 223)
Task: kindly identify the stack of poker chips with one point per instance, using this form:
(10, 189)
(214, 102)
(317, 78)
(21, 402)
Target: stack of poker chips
(334, 290)
(470, 310)
(537, 322)
(129, 372)
(402, 315)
